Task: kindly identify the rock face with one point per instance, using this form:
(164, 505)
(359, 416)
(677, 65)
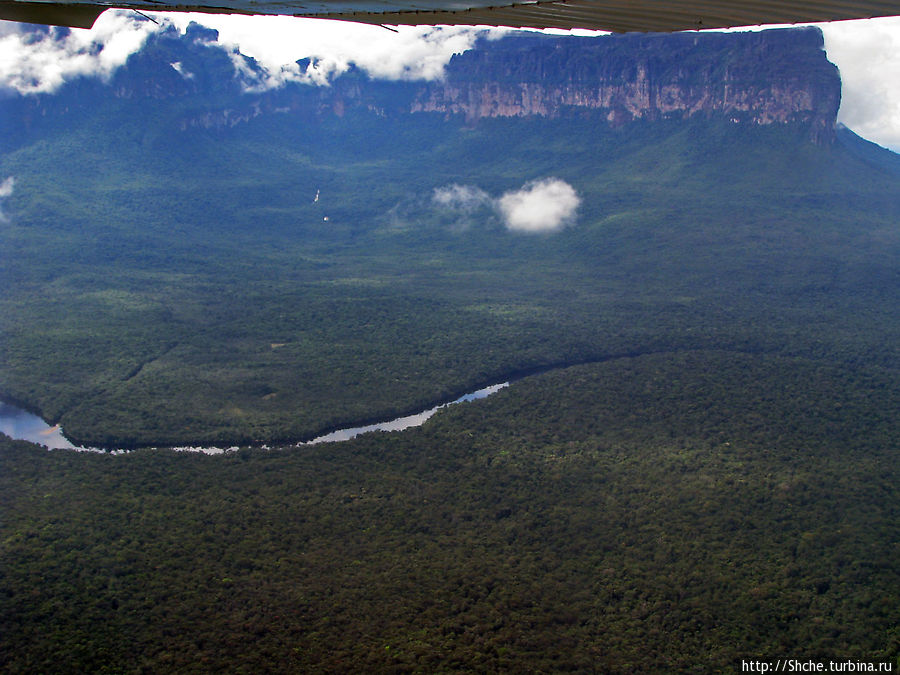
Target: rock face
(776, 76)
(769, 77)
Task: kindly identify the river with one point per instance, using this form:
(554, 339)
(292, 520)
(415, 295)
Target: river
(25, 426)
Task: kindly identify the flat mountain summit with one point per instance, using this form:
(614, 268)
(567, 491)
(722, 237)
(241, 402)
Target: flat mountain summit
(769, 77)
(760, 78)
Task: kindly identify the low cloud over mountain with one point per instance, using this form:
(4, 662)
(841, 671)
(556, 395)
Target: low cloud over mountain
(545, 205)
(40, 60)
(277, 43)
(540, 206)
(37, 60)
(465, 198)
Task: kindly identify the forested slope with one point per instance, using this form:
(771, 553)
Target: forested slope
(206, 299)
(188, 262)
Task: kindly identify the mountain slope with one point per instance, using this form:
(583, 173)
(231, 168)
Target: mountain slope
(173, 282)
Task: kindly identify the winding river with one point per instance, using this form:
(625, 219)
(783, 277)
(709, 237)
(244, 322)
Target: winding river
(25, 426)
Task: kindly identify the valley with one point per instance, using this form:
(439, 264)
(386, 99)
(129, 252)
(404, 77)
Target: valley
(195, 291)
(694, 265)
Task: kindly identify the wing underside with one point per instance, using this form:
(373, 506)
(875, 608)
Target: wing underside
(612, 15)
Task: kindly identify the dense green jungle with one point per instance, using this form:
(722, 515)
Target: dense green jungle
(708, 473)
(660, 513)
(165, 288)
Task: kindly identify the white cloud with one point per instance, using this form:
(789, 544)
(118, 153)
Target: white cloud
(868, 55)
(545, 205)
(277, 43)
(35, 62)
(466, 198)
(459, 207)
(6, 190)
(539, 206)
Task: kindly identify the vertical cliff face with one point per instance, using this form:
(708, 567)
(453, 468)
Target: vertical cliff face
(769, 77)
(776, 76)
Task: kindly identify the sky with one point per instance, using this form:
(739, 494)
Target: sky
(866, 52)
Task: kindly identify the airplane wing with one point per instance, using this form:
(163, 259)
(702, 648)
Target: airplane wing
(613, 15)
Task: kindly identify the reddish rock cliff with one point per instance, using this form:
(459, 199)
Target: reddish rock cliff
(776, 76)
(769, 77)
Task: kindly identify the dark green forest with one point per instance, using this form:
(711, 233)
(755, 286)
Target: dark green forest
(194, 293)
(671, 513)
(700, 468)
